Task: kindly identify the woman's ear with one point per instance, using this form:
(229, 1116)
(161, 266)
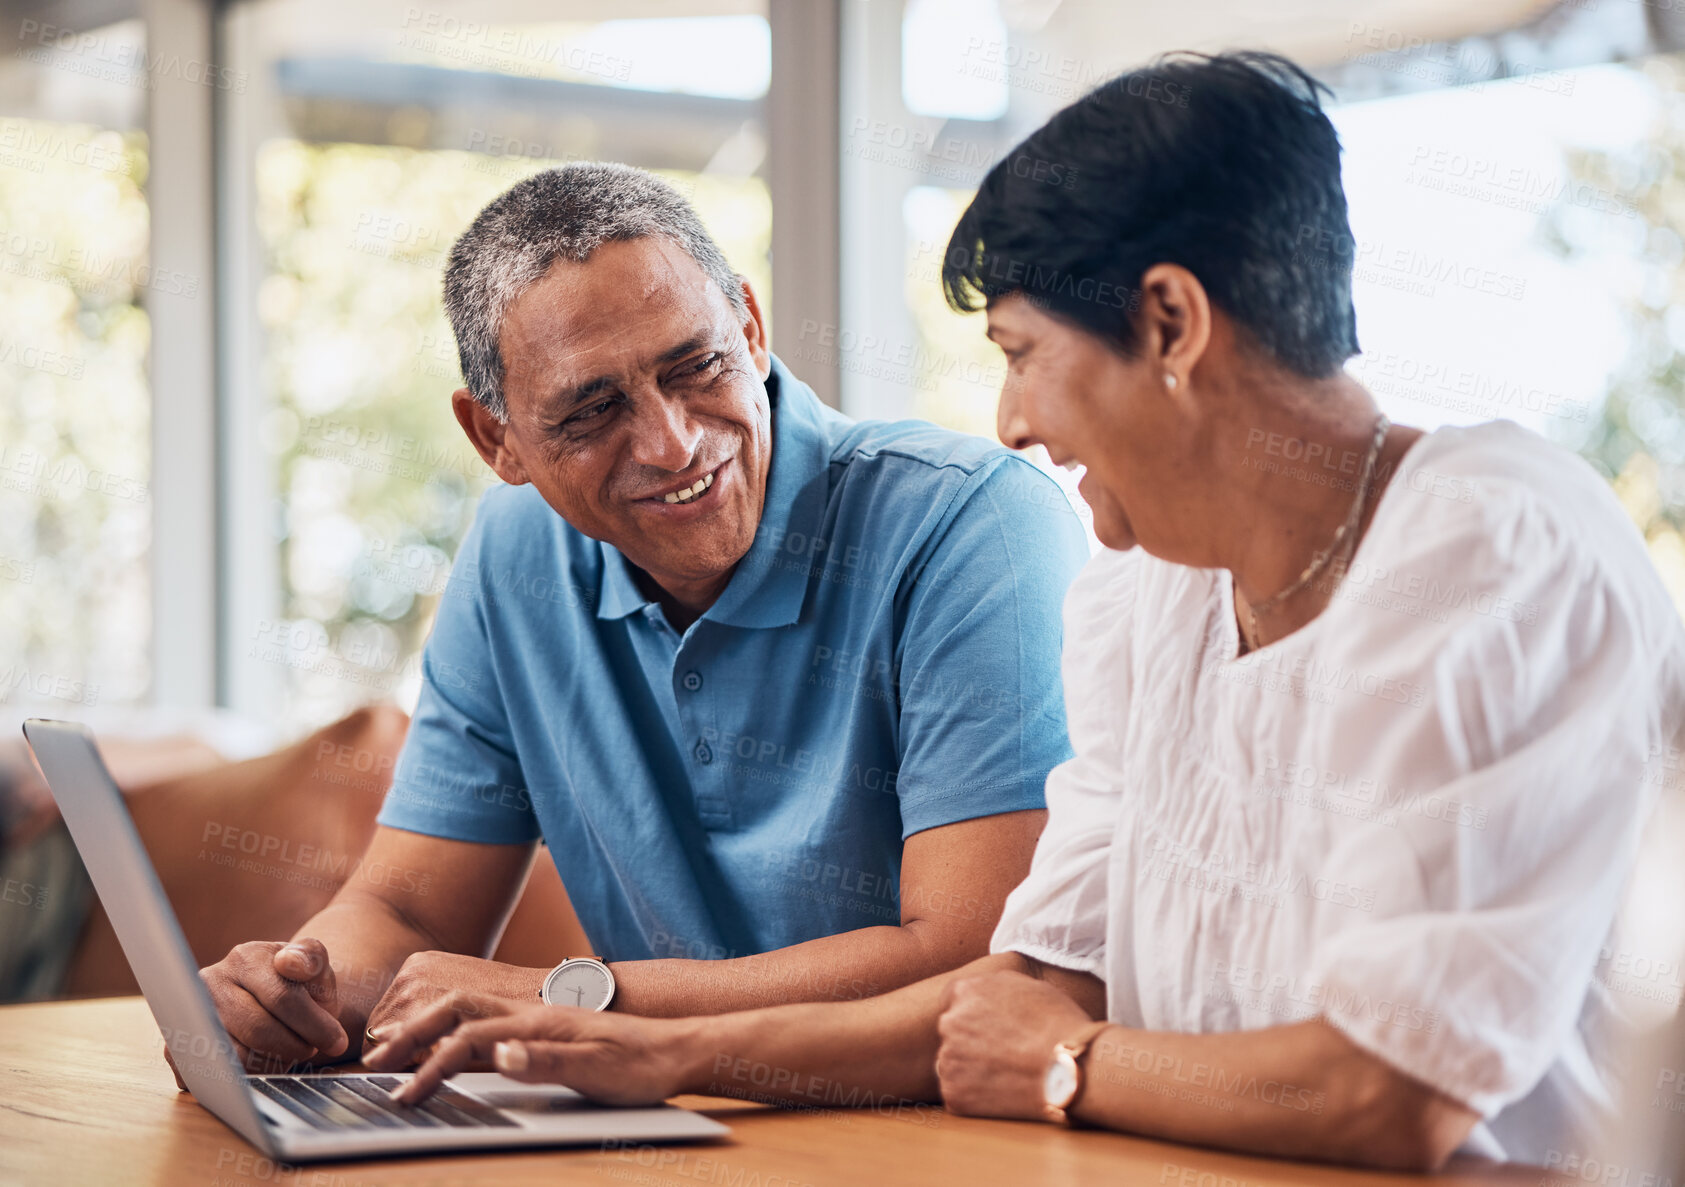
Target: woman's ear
(1174, 321)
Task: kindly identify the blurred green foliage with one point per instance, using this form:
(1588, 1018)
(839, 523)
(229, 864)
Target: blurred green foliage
(1638, 441)
(75, 461)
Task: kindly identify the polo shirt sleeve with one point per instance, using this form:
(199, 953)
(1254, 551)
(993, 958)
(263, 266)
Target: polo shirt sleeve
(457, 776)
(982, 716)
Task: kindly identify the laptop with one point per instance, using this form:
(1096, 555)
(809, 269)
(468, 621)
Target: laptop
(309, 1117)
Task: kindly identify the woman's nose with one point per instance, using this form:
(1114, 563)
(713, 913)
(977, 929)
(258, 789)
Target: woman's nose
(1010, 425)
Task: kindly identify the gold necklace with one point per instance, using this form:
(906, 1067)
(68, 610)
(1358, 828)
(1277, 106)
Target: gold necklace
(1321, 560)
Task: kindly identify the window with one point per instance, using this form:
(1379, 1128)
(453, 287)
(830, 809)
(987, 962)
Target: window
(367, 160)
(1524, 262)
(1515, 244)
(75, 414)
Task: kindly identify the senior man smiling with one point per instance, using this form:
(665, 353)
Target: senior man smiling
(778, 690)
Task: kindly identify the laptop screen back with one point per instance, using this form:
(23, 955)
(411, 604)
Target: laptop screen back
(146, 927)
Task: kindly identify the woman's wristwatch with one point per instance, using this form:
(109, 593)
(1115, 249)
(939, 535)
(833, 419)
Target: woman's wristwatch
(1063, 1082)
(584, 982)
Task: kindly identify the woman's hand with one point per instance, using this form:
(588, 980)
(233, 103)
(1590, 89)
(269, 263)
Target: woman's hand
(616, 1059)
(998, 1034)
(481, 988)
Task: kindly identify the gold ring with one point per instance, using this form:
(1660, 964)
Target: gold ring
(368, 1038)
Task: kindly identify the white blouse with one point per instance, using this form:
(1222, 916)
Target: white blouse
(1414, 818)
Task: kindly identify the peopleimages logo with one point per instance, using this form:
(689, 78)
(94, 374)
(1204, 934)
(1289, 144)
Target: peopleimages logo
(1364, 796)
(1306, 676)
(1162, 1074)
(1297, 997)
(29, 146)
(1513, 186)
(100, 56)
(509, 49)
(31, 472)
(85, 269)
(1378, 262)
(49, 362)
(1245, 877)
(1459, 389)
(19, 681)
(1573, 1167)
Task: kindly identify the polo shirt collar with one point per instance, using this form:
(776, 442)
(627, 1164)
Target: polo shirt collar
(618, 594)
(770, 582)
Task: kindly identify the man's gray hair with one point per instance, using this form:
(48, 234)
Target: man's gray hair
(560, 214)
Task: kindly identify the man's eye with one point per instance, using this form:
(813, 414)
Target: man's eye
(707, 363)
(595, 412)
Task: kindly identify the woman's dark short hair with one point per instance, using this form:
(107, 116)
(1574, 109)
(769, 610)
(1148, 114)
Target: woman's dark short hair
(1223, 164)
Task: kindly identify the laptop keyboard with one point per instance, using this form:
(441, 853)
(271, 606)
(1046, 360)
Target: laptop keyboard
(360, 1102)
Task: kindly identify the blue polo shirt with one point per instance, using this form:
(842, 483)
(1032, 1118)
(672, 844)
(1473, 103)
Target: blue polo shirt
(885, 659)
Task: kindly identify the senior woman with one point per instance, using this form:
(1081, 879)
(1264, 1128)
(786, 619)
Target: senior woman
(1360, 713)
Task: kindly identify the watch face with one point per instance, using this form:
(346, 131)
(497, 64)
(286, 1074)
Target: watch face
(582, 983)
(1060, 1083)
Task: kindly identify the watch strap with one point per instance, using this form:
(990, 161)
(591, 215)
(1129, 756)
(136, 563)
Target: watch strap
(1079, 1043)
(1075, 1048)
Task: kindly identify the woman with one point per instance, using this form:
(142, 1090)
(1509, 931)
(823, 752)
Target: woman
(1360, 727)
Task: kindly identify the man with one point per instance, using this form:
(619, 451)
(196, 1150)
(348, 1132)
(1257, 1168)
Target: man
(779, 691)
(1330, 872)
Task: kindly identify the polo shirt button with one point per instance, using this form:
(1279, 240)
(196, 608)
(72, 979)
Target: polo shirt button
(703, 754)
(693, 680)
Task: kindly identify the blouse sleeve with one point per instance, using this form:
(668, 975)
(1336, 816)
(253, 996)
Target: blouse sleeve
(1057, 915)
(1519, 771)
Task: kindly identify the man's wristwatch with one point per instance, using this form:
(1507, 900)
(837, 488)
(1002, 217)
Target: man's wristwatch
(1063, 1081)
(582, 981)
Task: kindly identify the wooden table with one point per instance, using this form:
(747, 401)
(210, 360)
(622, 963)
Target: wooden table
(85, 1097)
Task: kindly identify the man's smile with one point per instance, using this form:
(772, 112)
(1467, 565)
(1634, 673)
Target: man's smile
(687, 492)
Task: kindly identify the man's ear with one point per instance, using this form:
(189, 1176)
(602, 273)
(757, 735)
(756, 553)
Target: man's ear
(754, 331)
(486, 433)
(1175, 321)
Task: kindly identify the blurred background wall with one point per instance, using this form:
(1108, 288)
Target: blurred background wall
(229, 475)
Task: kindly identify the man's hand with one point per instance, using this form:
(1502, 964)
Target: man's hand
(998, 1033)
(279, 1003)
(614, 1059)
(482, 988)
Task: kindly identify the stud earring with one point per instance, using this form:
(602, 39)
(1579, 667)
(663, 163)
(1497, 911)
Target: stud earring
(1170, 382)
